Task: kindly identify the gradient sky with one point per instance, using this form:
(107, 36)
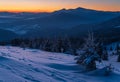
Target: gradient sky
(51, 5)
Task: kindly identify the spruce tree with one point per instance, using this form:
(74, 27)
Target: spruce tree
(100, 49)
(89, 53)
(111, 48)
(105, 54)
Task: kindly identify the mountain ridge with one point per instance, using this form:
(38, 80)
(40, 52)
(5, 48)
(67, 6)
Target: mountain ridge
(72, 22)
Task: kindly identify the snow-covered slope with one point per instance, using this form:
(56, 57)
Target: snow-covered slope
(28, 65)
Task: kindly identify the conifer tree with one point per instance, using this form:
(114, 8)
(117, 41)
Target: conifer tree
(105, 54)
(89, 55)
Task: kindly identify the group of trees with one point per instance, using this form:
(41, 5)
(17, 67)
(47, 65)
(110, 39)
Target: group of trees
(64, 45)
(88, 51)
(115, 51)
(94, 50)
(118, 52)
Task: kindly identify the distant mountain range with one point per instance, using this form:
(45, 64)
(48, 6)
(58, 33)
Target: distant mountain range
(71, 22)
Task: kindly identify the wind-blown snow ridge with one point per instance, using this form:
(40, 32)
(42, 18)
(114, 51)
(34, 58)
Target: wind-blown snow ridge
(30, 65)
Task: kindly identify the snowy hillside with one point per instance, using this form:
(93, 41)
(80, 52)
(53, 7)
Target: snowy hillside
(19, 65)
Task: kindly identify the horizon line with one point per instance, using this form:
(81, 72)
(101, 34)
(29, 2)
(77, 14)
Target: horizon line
(47, 11)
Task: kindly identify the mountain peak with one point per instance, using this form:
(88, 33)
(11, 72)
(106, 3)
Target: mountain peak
(81, 8)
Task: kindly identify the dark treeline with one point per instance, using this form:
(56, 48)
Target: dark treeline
(64, 45)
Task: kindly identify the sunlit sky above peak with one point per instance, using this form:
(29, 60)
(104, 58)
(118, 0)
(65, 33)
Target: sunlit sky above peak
(52, 5)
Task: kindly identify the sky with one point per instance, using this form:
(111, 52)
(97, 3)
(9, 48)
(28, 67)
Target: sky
(52, 5)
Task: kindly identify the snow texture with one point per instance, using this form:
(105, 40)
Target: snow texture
(30, 65)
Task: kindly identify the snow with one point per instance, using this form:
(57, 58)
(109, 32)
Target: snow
(31, 65)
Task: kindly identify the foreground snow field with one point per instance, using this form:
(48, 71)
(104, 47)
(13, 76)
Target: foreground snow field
(30, 65)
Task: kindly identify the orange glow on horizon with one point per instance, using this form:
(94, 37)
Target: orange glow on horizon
(52, 10)
(17, 11)
(34, 10)
(53, 5)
